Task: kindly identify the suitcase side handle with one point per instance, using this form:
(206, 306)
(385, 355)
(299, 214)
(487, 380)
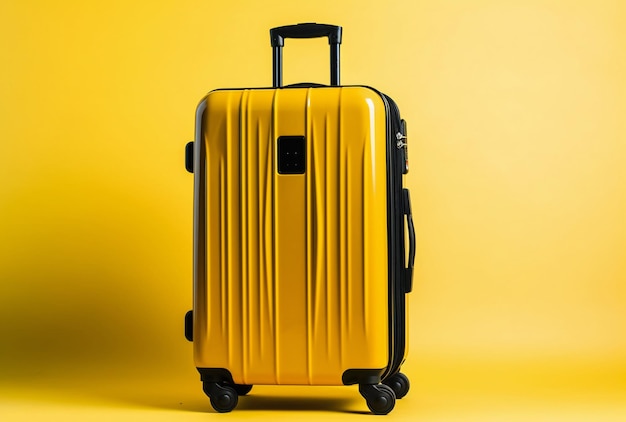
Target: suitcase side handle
(189, 157)
(304, 30)
(408, 271)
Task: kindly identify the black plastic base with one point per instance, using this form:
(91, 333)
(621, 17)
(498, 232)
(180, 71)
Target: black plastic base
(362, 376)
(219, 386)
(219, 375)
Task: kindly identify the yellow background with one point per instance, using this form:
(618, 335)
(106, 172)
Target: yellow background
(516, 114)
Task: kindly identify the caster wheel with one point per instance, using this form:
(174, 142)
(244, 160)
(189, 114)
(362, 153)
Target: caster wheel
(399, 383)
(223, 397)
(380, 398)
(242, 389)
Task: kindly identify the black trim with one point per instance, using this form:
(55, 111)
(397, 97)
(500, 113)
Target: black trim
(391, 237)
(362, 376)
(395, 226)
(219, 375)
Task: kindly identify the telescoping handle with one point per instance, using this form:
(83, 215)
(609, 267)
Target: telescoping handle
(305, 30)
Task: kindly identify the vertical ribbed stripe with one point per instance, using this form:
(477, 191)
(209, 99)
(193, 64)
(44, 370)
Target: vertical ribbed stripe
(327, 236)
(223, 263)
(274, 255)
(243, 212)
(340, 224)
(308, 236)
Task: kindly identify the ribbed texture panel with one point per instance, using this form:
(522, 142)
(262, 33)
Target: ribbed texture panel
(296, 288)
(257, 241)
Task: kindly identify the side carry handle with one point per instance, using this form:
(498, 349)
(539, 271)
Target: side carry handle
(189, 325)
(189, 157)
(305, 30)
(408, 271)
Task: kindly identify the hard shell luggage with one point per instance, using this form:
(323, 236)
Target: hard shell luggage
(301, 267)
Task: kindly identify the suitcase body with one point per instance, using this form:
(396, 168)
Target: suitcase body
(299, 241)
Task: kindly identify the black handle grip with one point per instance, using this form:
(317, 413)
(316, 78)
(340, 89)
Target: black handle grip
(411, 260)
(304, 30)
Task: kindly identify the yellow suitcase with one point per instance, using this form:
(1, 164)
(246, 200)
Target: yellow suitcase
(299, 236)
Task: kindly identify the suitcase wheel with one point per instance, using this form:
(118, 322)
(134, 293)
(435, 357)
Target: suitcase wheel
(399, 383)
(380, 398)
(223, 396)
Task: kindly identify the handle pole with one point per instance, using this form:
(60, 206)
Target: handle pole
(277, 66)
(334, 64)
(304, 30)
